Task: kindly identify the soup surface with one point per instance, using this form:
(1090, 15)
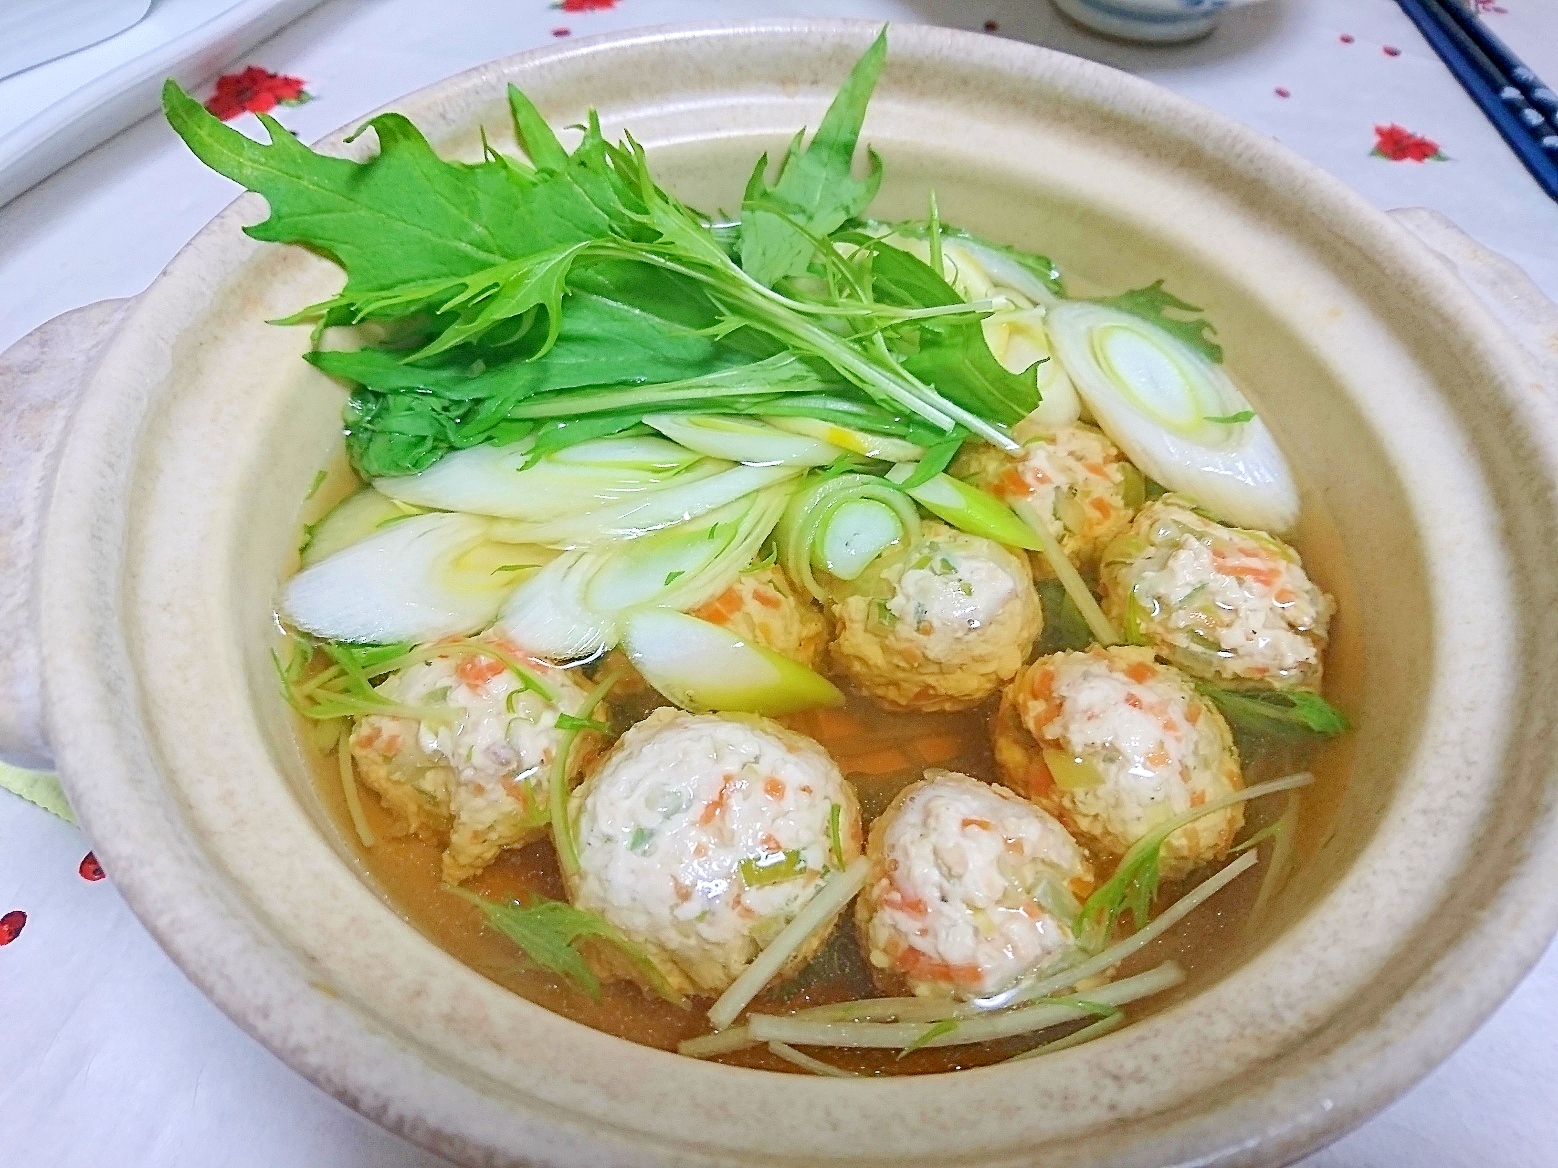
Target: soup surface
(880, 753)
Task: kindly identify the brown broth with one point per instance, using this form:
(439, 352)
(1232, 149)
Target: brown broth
(880, 753)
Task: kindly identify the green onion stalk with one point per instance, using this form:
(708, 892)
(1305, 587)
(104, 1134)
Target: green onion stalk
(562, 830)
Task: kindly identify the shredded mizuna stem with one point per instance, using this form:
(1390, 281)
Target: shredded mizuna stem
(479, 649)
(1142, 858)
(1103, 631)
(721, 1042)
(1075, 1038)
(835, 893)
(911, 1015)
(816, 1066)
(1005, 1024)
(1279, 863)
(557, 796)
(343, 752)
(934, 237)
(303, 688)
(892, 1010)
(1118, 952)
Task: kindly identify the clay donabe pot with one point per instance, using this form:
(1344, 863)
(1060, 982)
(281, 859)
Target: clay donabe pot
(158, 452)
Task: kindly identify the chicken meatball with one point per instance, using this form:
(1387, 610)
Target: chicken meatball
(1077, 480)
(971, 889)
(1115, 744)
(701, 836)
(941, 627)
(1222, 603)
(763, 607)
(477, 768)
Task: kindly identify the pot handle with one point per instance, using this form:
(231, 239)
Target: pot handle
(42, 379)
(1501, 284)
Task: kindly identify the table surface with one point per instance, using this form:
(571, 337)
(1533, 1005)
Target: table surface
(112, 1058)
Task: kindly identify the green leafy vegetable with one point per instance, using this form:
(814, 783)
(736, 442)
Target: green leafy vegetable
(550, 933)
(937, 458)
(816, 189)
(1233, 419)
(835, 834)
(500, 282)
(1134, 885)
(1278, 711)
(948, 352)
(933, 1031)
(773, 868)
(566, 721)
(1064, 625)
(403, 218)
(557, 792)
(403, 418)
(1153, 304)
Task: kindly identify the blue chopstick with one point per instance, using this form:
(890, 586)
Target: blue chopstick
(1521, 76)
(1502, 102)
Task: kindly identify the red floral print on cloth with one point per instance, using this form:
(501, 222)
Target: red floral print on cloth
(11, 925)
(255, 90)
(1399, 144)
(90, 869)
(585, 5)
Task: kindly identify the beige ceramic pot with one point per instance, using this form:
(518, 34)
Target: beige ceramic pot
(159, 451)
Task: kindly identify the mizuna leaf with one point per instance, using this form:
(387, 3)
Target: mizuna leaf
(1153, 304)
(540, 143)
(551, 931)
(1278, 711)
(816, 187)
(948, 353)
(404, 217)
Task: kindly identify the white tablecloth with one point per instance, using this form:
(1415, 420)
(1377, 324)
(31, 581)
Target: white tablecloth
(110, 1057)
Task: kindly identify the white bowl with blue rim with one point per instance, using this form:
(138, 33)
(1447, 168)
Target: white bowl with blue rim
(1163, 21)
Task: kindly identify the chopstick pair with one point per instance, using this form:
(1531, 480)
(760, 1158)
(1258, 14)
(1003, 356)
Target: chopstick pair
(1511, 96)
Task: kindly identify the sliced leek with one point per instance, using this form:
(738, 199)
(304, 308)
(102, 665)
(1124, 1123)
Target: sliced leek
(747, 440)
(572, 608)
(679, 501)
(414, 580)
(702, 667)
(967, 508)
(495, 480)
(862, 442)
(354, 518)
(1178, 416)
(806, 542)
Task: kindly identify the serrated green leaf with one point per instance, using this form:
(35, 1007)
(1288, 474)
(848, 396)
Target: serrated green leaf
(540, 144)
(938, 456)
(405, 217)
(1153, 304)
(948, 353)
(550, 931)
(1278, 711)
(816, 187)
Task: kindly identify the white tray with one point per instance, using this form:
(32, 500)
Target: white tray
(55, 112)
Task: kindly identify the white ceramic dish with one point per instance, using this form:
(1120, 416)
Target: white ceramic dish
(158, 452)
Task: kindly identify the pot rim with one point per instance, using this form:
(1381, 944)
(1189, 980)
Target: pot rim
(266, 989)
